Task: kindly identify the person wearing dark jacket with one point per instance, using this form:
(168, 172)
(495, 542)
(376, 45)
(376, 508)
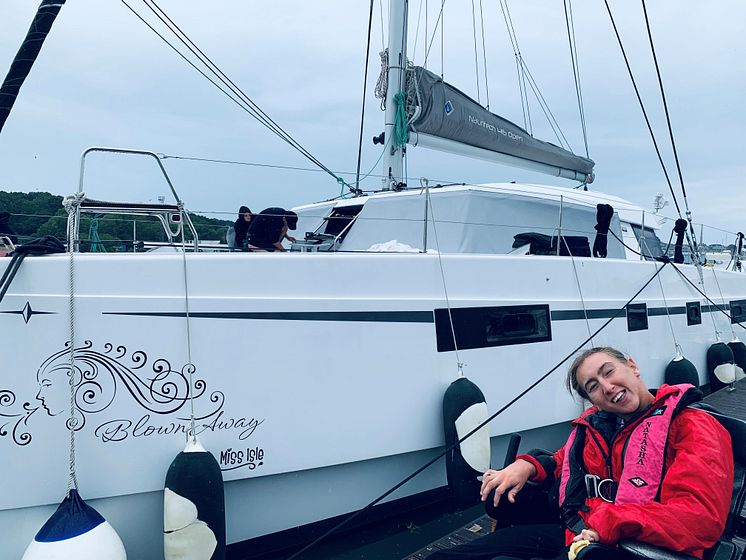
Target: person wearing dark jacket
(5, 229)
(269, 229)
(636, 466)
(241, 227)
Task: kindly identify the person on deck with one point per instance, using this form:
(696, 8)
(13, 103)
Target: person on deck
(5, 228)
(241, 227)
(270, 228)
(665, 474)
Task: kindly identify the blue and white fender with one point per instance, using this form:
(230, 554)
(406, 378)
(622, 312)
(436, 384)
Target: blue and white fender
(76, 530)
(680, 370)
(721, 367)
(464, 408)
(194, 507)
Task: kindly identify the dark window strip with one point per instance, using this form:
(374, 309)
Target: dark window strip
(352, 316)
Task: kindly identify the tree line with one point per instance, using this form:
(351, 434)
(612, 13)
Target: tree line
(37, 214)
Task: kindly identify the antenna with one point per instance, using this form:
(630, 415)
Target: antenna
(659, 203)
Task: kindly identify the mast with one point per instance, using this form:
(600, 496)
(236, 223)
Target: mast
(393, 159)
(24, 60)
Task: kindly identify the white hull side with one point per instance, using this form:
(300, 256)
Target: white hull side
(299, 388)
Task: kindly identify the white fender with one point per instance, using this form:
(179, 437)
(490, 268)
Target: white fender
(78, 531)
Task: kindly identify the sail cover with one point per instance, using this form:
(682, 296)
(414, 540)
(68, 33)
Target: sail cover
(439, 109)
(24, 60)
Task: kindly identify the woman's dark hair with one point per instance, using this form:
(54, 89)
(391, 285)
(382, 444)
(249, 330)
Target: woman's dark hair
(571, 381)
(243, 210)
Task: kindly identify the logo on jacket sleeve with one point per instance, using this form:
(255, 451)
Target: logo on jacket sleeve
(658, 411)
(637, 481)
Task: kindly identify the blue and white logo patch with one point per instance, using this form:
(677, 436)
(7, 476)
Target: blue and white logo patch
(448, 107)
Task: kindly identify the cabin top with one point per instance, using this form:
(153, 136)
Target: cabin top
(500, 218)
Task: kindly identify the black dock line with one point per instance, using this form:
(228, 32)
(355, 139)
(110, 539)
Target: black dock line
(479, 427)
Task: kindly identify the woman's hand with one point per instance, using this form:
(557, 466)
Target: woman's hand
(587, 535)
(511, 479)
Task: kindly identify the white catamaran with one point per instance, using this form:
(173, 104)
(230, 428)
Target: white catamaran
(316, 376)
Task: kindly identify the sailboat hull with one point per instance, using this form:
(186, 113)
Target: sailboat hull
(317, 379)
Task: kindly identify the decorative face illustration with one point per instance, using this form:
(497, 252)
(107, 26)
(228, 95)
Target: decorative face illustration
(54, 389)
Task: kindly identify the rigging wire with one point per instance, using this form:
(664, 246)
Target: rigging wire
(515, 399)
(417, 29)
(644, 111)
(570, 23)
(442, 41)
(525, 76)
(435, 30)
(519, 68)
(383, 26)
(545, 108)
(237, 95)
(186, 41)
(362, 110)
(484, 57)
(476, 55)
(670, 132)
(712, 303)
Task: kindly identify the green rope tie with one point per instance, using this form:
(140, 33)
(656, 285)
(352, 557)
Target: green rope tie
(400, 125)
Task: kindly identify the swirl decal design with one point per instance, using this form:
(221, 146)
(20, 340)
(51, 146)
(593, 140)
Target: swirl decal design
(97, 379)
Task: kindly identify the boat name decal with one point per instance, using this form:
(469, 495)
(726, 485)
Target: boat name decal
(231, 459)
(121, 429)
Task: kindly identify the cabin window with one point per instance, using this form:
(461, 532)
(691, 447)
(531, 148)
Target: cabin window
(483, 327)
(338, 222)
(650, 244)
(693, 313)
(541, 244)
(637, 317)
(738, 311)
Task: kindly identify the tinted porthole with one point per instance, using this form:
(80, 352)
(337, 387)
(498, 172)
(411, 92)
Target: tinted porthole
(693, 313)
(738, 311)
(637, 317)
(483, 327)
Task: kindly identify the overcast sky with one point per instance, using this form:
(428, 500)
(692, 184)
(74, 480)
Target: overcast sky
(104, 79)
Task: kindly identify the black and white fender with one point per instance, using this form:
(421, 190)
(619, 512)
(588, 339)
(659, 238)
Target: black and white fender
(464, 408)
(739, 357)
(194, 507)
(680, 370)
(78, 531)
(721, 368)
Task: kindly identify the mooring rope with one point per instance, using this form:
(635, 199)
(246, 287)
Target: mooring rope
(71, 205)
(428, 204)
(722, 299)
(189, 365)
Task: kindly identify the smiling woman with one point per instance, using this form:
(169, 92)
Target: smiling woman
(610, 381)
(636, 466)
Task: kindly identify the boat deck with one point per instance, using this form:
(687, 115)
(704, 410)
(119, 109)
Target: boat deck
(730, 402)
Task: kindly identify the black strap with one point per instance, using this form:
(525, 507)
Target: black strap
(679, 229)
